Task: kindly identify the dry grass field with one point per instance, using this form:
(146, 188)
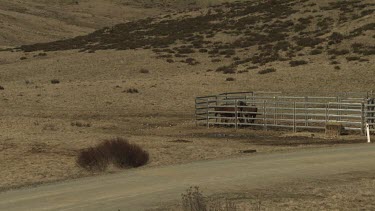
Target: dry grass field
(349, 191)
(63, 93)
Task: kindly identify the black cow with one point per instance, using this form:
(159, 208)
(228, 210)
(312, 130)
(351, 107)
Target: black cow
(242, 107)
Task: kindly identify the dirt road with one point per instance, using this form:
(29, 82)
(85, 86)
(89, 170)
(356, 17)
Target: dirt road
(143, 188)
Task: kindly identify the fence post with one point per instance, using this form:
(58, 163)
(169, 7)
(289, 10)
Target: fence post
(196, 119)
(264, 115)
(294, 117)
(236, 113)
(368, 133)
(306, 111)
(208, 114)
(275, 111)
(326, 113)
(338, 108)
(363, 118)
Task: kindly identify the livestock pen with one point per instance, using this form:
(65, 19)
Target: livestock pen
(297, 111)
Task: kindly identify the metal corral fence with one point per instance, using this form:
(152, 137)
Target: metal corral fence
(275, 109)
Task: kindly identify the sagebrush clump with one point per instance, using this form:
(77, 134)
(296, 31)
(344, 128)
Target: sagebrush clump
(297, 63)
(117, 151)
(265, 71)
(55, 81)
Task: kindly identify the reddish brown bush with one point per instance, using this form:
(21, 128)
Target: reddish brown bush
(123, 154)
(117, 151)
(93, 158)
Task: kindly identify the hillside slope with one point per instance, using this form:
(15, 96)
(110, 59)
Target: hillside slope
(251, 33)
(31, 21)
(138, 79)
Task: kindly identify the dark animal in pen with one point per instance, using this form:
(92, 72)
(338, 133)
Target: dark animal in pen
(246, 114)
(250, 113)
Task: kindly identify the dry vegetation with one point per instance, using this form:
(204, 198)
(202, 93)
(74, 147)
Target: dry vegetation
(138, 79)
(349, 191)
(117, 151)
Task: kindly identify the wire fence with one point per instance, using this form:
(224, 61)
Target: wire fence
(278, 110)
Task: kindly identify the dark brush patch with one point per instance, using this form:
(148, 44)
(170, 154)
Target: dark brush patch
(261, 24)
(266, 71)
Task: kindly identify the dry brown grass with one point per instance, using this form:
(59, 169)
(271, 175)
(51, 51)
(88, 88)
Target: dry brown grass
(349, 191)
(41, 113)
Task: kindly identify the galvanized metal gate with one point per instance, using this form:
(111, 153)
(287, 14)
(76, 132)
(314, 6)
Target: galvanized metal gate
(296, 111)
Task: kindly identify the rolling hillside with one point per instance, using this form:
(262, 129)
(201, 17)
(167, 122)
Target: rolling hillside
(132, 69)
(30, 21)
(248, 33)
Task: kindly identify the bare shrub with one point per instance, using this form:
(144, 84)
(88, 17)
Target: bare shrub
(226, 206)
(80, 124)
(179, 55)
(93, 159)
(315, 52)
(362, 29)
(297, 63)
(230, 79)
(181, 141)
(265, 71)
(337, 67)
(338, 52)
(131, 91)
(352, 58)
(144, 71)
(185, 50)
(193, 200)
(226, 70)
(336, 37)
(203, 50)
(213, 51)
(191, 61)
(123, 154)
(2, 88)
(27, 82)
(117, 151)
(332, 57)
(55, 81)
(23, 58)
(228, 52)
